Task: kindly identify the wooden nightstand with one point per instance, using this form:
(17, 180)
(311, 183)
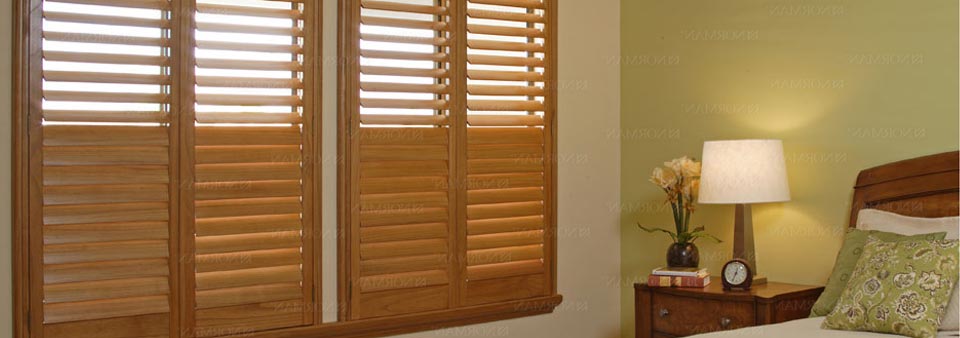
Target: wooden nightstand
(678, 312)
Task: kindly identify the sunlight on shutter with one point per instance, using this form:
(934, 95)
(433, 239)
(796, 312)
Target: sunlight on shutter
(105, 141)
(251, 194)
(505, 150)
(403, 225)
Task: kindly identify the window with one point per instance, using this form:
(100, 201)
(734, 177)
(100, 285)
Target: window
(175, 183)
(168, 176)
(447, 121)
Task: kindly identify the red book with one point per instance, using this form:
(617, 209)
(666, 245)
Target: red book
(678, 281)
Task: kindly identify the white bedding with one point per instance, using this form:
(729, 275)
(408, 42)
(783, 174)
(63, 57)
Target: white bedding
(804, 328)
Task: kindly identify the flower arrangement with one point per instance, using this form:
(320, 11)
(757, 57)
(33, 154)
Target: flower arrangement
(680, 180)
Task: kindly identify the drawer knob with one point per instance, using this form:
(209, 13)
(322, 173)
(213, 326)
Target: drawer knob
(664, 313)
(725, 322)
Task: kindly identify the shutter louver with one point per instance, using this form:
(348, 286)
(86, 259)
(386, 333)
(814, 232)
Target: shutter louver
(508, 171)
(105, 165)
(402, 225)
(253, 192)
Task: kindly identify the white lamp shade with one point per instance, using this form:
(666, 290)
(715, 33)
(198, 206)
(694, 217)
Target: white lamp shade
(743, 172)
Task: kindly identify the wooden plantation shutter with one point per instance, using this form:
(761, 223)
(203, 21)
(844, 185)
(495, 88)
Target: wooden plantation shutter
(254, 191)
(401, 224)
(509, 147)
(448, 147)
(103, 206)
(171, 178)
(171, 155)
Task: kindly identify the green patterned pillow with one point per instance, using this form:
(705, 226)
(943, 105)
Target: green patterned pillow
(898, 287)
(847, 258)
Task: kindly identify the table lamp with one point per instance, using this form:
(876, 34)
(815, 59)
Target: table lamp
(744, 172)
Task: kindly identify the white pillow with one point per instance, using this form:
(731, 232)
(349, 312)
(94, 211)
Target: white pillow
(951, 317)
(872, 219)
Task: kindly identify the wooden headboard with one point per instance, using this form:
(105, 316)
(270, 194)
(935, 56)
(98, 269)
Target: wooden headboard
(926, 186)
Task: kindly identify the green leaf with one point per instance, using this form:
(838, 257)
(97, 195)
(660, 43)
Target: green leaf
(704, 234)
(652, 230)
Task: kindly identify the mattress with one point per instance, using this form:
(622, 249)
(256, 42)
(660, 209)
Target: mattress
(804, 328)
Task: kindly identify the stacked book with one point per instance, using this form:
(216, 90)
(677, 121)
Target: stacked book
(679, 277)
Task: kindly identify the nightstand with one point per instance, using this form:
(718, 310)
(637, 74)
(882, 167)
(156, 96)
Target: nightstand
(678, 312)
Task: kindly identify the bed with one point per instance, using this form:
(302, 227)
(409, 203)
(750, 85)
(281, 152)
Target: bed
(803, 328)
(920, 187)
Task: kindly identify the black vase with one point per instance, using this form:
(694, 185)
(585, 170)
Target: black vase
(683, 256)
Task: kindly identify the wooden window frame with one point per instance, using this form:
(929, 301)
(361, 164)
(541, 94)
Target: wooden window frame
(26, 80)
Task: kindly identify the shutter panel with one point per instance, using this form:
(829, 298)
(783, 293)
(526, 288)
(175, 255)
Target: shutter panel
(508, 168)
(105, 209)
(469, 111)
(401, 224)
(254, 193)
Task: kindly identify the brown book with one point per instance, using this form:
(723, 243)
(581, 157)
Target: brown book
(678, 281)
(684, 272)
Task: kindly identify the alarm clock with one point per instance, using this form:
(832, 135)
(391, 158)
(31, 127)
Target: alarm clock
(736, 275)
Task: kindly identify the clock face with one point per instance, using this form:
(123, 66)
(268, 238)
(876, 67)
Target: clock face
(735, 273)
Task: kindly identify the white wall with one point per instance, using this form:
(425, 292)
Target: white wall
(589, 175)
(6, 251)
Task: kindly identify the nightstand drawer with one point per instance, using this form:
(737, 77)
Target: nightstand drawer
(677, 312)
(683, 316)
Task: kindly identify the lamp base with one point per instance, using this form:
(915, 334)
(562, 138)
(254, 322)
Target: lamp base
(743, 241)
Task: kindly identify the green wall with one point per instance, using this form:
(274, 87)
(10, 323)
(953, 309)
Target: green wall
(845, 84)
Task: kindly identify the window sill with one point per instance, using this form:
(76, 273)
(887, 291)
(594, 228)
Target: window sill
(435, 320)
